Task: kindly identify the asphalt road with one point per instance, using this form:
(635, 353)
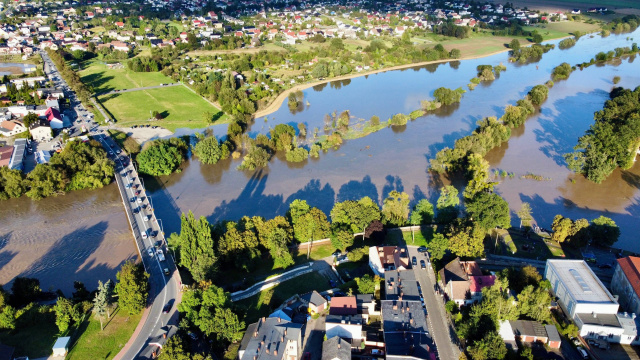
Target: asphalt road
(438, 325)
(164, 289)
(147, 233)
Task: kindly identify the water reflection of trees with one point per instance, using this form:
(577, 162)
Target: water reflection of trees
(454, 64)
(338, 84)
(319, 87)
(212, 173)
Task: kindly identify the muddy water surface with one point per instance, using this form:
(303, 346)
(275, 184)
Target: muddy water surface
(397, 158)
(83, 235)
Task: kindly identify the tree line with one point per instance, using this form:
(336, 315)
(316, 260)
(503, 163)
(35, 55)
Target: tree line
(612, 141)
(19, 308)
(71, 77)
(78, 166)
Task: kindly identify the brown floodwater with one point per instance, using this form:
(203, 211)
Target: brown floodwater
(83, 236)
(397, 158)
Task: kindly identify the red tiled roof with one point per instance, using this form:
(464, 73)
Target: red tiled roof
(480, 282)
(630, 266)
(345, 305)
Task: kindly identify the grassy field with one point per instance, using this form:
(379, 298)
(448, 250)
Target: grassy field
(180, 107)
(563, 28)
(582, 4)
(264, 303)
(96, 74)
(92, 343)
(34, 341)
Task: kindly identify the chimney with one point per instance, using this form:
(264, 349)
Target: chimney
(285, 332)
(275, 352)
(267, 351)
(255, 334)
(338, 344)
(395, 307)
(282, 339)
(279, 319)
(594, 314)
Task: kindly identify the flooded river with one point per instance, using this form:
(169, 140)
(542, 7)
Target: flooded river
(397, 159)
(85, 235)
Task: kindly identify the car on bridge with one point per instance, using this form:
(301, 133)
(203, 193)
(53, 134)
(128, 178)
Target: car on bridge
(150, 252)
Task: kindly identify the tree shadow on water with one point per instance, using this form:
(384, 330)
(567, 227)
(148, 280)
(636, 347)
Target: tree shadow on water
(393, 183)
(355, 190)
(66, 261)
(560, 131)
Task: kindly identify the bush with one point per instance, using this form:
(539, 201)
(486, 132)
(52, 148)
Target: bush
(447, 96)
(616, 79)
(567, 43)
(561, 72)
(298, 154)
(538, 94)
(358, 254)
(399, 119)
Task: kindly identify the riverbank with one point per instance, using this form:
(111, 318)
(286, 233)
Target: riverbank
(275, 104)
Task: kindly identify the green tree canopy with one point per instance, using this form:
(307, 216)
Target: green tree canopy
(438, 246)
(195, 247)
(132, 287)
(466, 239)
(395, 210)
(604, 231)
(489, 211)
(356, 214)
(161, 157)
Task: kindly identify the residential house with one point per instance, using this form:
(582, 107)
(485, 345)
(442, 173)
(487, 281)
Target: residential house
(366, 305)
(336, 348)
(463, 281)
(11, 127)
(52, 103)
(401, 285)
(5, 155)
(383, 258)
(525, 331)
(316, 303)
(41, 131)
(626, 283)
(343, 305)
(589, 304)
(120, 46)
(53, 117)
(346, 327)
(271, 339)
(406, 331)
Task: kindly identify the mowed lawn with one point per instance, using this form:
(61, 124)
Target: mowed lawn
(265, 302)
(103, 79)
(562, 28)
(180, 107)
(92, 343)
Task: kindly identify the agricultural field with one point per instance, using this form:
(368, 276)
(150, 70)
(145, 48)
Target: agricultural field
(96, 74)
(563, 28)
(178, 105)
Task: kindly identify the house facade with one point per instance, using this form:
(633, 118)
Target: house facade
(626, 283)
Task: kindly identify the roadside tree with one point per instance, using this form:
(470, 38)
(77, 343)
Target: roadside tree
(132, 287)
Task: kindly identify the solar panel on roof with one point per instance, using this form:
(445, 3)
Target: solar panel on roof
(580, 280)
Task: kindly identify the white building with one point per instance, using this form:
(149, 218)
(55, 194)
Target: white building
(589, 304)
(344, 326)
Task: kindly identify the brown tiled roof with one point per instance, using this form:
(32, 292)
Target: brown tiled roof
(5, 155)
(630, 266)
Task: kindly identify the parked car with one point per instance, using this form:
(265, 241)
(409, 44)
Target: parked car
(193, 336)
(583, 352)
(423, 265)
(422, 249)
(414, 261)
(605, 266)
(166, 271)
(150, 252)
(140, 200)
(337, 253)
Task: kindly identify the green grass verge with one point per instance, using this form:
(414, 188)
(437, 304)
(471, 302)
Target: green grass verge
(267, 301)
(180, 107)
(420, 237)
(96, 74)
(34, 341)
(92, 343)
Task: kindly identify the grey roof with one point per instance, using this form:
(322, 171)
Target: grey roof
(453, 271)
(348, 319)
(266, 339)
(552, 333)
(600, 319)
(336, 348)
(364, 298)
(405, 329)
(19, 148)
(314, 298)
(401, 283)
(527, 328)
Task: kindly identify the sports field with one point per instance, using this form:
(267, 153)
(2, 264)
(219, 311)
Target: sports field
(96, 74)
(179, 107)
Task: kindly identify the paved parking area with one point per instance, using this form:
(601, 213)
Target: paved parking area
(314, 337)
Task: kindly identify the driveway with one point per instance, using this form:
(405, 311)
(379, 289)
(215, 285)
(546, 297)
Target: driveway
(314, 337)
